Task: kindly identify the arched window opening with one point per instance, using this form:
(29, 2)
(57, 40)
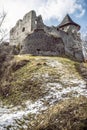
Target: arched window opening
(23, 29)
(38, 50)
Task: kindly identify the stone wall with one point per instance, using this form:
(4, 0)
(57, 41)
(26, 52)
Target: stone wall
(33, 37)
(41, 43)
(23, 28)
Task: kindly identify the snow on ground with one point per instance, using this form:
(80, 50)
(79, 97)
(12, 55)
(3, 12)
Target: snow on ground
(8, 116)
(54, 63)
(55, 91)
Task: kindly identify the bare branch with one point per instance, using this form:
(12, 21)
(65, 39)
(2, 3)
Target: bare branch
(2, 17)
(3, 32)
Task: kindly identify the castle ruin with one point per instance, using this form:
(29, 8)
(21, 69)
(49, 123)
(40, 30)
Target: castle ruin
(34, 37)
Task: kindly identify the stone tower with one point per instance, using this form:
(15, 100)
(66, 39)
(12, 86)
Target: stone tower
(23, 28)
(68, 24)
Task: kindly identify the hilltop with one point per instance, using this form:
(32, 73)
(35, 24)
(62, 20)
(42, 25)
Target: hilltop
(42, 93)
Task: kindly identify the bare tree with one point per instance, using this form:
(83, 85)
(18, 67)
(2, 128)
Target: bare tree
(3, 31)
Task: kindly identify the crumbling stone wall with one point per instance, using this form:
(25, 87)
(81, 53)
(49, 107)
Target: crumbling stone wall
(23, 28)
(41, 43)
(33, 37)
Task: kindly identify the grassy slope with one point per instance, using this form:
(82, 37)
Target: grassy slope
(26, 81)
(28, 78)
(66, 115)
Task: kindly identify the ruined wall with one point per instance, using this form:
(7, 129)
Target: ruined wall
(71, 39)
(41, 43)
(73, 44)
(23, 28)
(38, 39)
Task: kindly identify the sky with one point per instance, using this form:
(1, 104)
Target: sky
(52, 11)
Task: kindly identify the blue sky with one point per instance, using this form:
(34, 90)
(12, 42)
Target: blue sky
(52, 11)
(81, 20)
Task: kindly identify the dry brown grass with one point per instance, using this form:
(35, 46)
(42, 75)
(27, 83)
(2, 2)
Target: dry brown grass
(66, 115)
(23, 77)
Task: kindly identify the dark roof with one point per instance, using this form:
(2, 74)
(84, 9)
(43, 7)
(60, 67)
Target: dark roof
(67, 21)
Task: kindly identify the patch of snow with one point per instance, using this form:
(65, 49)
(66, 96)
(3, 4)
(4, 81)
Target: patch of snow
(56, 90)
(57, 85)
(54, 63)
(35, 107)
(8, 116)
(46, 75)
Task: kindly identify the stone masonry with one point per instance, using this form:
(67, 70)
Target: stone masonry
(33, 37)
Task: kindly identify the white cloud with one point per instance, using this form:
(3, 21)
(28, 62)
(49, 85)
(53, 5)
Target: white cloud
(81, 11)
(59, 8)
(49, 9)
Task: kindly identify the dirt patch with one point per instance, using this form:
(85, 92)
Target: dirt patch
(17, 65)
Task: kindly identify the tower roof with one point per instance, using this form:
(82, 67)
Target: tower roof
(68, 21)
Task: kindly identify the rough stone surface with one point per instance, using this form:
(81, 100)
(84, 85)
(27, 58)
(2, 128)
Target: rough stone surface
(41, 43)
(33, 37)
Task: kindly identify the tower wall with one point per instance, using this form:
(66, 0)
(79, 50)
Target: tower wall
(23, 28)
